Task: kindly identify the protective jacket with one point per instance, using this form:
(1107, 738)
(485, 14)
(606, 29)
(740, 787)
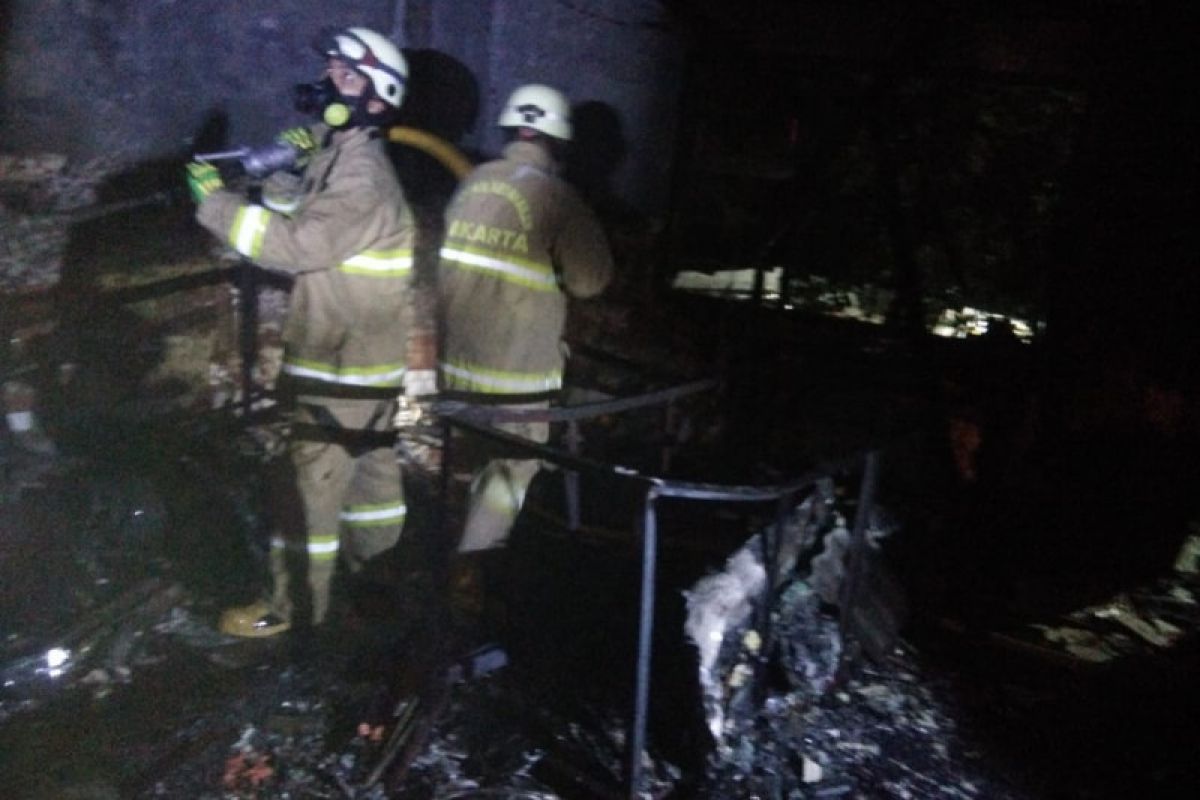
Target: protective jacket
(347, 238)
(519, 242)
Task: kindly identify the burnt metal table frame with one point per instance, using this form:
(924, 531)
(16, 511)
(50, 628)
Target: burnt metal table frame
(479, 420)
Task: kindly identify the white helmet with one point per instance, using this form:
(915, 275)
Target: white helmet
(539, 107)
(374, 56)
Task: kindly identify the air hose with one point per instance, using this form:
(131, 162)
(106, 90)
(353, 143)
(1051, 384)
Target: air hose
(445, 153)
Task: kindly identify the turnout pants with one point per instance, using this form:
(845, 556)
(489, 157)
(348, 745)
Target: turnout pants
(348, 492)
(498, 490)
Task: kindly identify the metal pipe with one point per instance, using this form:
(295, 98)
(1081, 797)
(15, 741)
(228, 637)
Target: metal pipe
(447, 540)
(477, 420)
(223, 155)
(858, 543)
(571, 477)
(446, 470)
(494, 414)
(690, 490)
(641, 699)
(772, 542)
(247, 282)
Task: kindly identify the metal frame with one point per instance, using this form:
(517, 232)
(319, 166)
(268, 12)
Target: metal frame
(478, 420)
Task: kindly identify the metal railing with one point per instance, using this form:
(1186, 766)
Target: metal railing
(479, 419)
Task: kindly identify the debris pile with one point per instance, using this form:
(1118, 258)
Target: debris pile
(37, 194)
(804, 715)
(488, 737)
(798, 715)
(1138, 623)
(884, 730)
(112, 546)
(721, 619)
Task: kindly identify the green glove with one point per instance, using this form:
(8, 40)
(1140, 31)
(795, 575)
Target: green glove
(302, 139)
(203, 179)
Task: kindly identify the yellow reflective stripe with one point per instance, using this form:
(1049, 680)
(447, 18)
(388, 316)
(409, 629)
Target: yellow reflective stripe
(377, 514)
(379, 263)
(499, 256)
(529, 274)
(474, 378)
(323, 547)
(389, 375)
(249, 230)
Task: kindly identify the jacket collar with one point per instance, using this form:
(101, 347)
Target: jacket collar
(532, 154)
(353, 136)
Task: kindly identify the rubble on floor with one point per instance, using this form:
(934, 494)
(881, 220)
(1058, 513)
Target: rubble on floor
(170, 708)
(141, 697)
(889, 731)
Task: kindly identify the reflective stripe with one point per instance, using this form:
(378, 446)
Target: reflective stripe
(285, 207)
(379, 263)
(379, 514)
(538, 277)
(389, 375)
(249, 230)
(492, 381)
(323, 547)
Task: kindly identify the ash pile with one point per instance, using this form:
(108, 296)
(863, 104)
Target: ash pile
(778, 666)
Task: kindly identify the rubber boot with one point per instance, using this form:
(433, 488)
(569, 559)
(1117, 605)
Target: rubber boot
(254, 621)
(264, 618)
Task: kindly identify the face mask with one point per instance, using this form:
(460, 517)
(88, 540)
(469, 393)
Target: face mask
(321, 99)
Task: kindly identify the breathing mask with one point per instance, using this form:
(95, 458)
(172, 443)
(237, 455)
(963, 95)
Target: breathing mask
(322, 100)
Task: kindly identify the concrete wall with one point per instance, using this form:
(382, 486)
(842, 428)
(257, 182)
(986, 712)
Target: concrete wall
(155, 79)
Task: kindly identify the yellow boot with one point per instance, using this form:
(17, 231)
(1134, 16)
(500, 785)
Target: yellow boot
(255, 621)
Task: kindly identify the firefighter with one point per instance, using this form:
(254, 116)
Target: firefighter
(346, 236)
(519, 244)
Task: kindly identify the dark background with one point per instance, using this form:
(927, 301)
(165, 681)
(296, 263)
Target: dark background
(1032, 159)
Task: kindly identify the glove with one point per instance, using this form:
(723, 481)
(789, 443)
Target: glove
(301, 139)
(203, 179)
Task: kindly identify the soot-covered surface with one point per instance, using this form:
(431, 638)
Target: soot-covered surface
(1095, 703)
